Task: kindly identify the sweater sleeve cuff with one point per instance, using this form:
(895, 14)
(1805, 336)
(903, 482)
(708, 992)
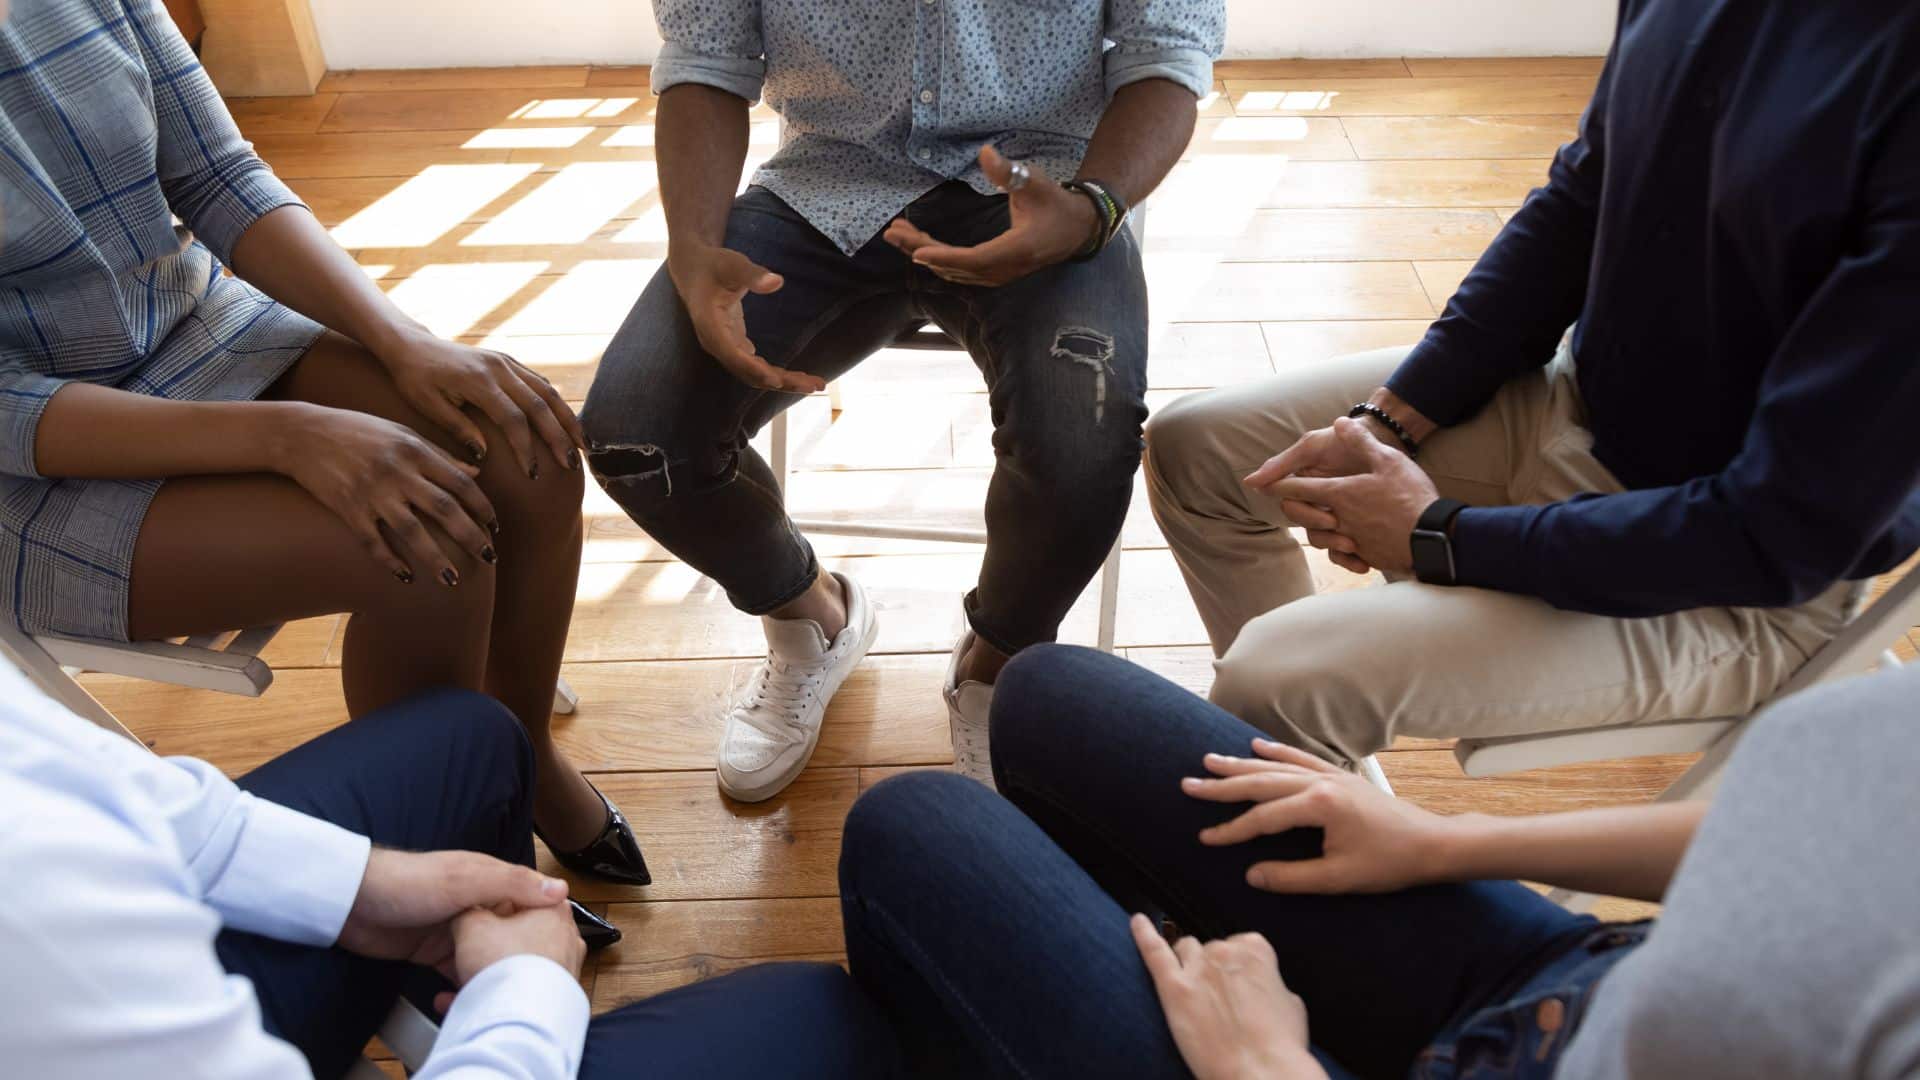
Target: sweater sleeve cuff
(1490, 549)
(1439, 389)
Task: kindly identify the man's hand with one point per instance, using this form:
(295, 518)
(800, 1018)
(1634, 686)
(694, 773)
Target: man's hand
(408, 901)
(1231, 1014)
(1050, 225)
(482, 937)
(1372, 841)
(1357, 497)
(712, 282)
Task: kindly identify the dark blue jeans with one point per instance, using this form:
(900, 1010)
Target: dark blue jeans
(1064, 353)
(452, 770)
(995, 931)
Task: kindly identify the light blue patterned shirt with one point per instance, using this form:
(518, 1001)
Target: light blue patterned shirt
(882, 102)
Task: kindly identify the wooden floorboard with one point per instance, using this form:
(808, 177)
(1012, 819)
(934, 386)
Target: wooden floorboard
(1323, 207)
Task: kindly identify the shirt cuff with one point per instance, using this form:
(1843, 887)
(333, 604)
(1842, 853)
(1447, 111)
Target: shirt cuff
(246, 197)
(526, 996)
(1191, 68)
(1491, 548)
(23, 398)
(292, 877)
(742, 77)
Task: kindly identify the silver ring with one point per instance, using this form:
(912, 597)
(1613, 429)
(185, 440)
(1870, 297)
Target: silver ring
(1019, 177)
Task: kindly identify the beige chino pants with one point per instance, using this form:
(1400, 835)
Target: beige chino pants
(1343, 674)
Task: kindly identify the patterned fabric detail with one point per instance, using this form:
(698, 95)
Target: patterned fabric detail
(883, 102)
(109, 128)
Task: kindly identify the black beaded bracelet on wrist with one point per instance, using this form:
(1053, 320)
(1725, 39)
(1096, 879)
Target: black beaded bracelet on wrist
(1110, 210)
(1368, 408)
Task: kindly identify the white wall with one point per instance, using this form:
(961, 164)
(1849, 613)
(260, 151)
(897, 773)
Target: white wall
(453, 33)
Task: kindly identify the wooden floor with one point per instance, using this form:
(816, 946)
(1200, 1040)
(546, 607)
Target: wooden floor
(1323, 207)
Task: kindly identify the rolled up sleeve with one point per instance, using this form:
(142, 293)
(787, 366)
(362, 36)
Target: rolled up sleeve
(1176, 40)
(213, 179)
(23, 397)
(713, 43)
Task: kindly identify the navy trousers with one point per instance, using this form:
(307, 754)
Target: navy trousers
(453, 770)
(994, 930)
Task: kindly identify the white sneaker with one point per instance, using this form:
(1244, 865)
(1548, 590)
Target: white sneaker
(968, 704)
(774, 725)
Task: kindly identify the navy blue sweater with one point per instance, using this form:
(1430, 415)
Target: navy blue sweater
(1737, 233)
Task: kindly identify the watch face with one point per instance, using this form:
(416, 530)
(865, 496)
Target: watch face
(1432, 557)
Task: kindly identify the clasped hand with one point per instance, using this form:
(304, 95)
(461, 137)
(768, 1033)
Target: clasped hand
(1357, 498)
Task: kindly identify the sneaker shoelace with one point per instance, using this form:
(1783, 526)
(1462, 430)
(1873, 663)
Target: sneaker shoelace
(970, 746)
(779, 694)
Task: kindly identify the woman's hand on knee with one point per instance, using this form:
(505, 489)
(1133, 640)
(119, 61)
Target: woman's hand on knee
(442, 378)
(388, 485)
(1372, 842)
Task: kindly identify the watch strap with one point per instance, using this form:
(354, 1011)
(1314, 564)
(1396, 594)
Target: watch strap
(1438, 515)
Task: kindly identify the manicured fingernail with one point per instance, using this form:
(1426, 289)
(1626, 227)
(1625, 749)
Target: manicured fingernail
(449, 578)
(487, 554)
(1190, 782)
(552, 886)
(533, 471)
(1256, 877)
(494, 526)
(573, 459)
(477, 452)
(405, 576)
(1264, 742)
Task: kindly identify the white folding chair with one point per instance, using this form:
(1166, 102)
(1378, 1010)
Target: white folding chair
(1860, 646)
(409, 1034)
(932, 340)
(229, 663)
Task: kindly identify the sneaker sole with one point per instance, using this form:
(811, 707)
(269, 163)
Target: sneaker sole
(767, 790)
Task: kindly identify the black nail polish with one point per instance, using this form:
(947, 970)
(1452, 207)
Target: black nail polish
(478, 452)
(405, 576)
(487, 554)
(449, 578)
(533, 470)
(573, 459)
(493, 527)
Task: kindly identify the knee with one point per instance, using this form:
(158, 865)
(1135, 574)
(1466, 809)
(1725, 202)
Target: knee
(890, 829)
(1182, 456)
(477, 737)
(543, 507)
(1040, 701)
(1303, 680)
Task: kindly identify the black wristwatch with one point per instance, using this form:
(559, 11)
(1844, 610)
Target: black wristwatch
(1432, 546)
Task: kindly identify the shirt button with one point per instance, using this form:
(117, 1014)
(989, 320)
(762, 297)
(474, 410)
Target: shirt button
(925, 153)
(926, 97)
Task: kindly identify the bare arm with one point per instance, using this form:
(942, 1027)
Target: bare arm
(701, 147)
(98, 432)
(1140, 137)
(1374, 842)
(287, 255)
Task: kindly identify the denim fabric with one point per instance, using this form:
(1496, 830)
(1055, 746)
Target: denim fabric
(1522, 1036)
(995, 932)
(1064, 353)
(453, 770)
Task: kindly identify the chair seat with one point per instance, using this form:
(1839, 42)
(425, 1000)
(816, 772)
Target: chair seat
(1516, 753)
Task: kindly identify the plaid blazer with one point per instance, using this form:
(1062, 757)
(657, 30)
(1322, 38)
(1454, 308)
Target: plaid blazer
(109, 128)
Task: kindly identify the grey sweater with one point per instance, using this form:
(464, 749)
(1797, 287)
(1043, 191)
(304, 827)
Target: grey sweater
(1790, 941)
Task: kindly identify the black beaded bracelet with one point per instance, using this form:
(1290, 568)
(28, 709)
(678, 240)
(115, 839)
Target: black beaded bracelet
(1368, 408)
(1111, 211)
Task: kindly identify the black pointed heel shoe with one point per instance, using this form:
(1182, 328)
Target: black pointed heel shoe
(614, 854)
(597, 932)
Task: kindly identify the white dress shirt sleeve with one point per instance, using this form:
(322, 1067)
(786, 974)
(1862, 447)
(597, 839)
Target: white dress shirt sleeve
(523, 1016)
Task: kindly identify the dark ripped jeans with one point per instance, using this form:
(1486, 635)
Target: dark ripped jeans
(1064, 353)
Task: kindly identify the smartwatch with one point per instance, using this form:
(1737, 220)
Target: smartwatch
(1432, 546)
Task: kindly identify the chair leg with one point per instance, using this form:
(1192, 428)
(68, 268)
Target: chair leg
(777, 435)
(53, 680)
(1371, 771)
(565, 701)
(1109, 597)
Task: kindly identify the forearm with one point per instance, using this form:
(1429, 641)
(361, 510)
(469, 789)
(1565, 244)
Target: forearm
(1140, 137)
(98, 432)
(1629, 851)
(288, 256)
(701, 140)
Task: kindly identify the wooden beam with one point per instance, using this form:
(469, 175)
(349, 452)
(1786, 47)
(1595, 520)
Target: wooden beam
(262, 48)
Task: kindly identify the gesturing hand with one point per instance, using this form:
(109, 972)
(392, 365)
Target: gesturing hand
(712, 282)
(408, 901)
(441, 378)
(1357, 498)
(1372, 841)
(1230, 1012)
(1050, 225)
(386, 483)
